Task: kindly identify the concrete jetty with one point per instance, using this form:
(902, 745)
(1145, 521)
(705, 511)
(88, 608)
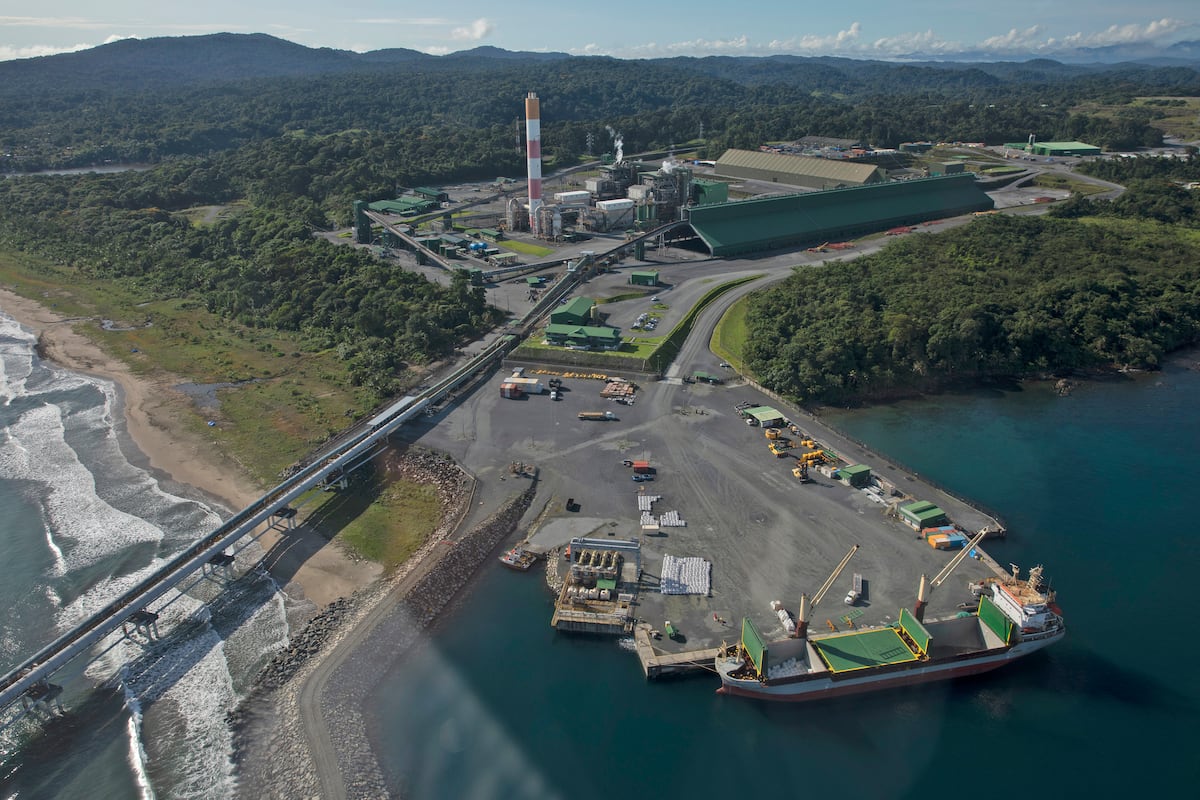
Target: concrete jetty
(656, 664)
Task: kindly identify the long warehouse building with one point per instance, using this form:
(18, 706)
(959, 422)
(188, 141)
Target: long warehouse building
(804, 171)
(771, 223)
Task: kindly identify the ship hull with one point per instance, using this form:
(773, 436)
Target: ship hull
(826, 687)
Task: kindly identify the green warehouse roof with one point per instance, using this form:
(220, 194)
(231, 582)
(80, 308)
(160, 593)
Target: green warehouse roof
(764, 413)
(1065, 148)
(917, 507)
(774, 222)
(579, 306)
(583, 332)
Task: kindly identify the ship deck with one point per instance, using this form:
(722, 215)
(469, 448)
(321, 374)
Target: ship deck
(862, 650)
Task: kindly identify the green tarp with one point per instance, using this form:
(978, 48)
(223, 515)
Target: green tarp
(753, 643)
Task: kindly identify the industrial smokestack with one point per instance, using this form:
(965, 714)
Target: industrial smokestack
(533, 135)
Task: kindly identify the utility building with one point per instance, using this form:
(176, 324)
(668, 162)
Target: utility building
(644, 277)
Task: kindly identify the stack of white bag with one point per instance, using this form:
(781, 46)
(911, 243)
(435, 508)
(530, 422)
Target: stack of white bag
(785, 618)
(690, 575)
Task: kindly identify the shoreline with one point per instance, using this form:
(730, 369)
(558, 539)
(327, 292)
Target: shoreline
(152, 422)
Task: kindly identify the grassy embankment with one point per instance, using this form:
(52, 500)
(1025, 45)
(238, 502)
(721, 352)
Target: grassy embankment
(731, 334)
(284, 401)
(525, 248)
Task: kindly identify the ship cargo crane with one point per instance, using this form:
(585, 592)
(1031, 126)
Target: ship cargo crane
(927, 586)
(806, 607)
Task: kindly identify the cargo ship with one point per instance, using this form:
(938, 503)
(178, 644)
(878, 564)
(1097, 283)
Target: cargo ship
(1014, 618)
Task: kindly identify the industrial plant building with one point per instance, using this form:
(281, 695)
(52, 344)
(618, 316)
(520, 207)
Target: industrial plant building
(851, 199)
(804, 171)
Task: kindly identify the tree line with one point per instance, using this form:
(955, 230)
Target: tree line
(1002, 296)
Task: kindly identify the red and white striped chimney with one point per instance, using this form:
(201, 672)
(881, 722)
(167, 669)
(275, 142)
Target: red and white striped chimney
(533, 135)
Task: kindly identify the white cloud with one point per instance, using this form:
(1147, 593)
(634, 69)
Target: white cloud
(1027, 39)
(836, 43)
(1126, 34)
(8, 52)
(474, 31)
(915, 42)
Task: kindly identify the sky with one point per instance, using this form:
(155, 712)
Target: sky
(891, 30)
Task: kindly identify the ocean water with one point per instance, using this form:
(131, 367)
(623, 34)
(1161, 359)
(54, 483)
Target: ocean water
(80, 522)
(1098, 486)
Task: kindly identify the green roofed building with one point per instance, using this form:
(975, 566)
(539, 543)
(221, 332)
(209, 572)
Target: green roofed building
(708, 192)
(576, 312)
(922, 514)
(774, 222)
(857, 475)
(764, 415)
(1064, 149)
(404, 206)
(436, 195)
(590, 336)
(644, 277)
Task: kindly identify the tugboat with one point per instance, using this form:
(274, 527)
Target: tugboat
(518, 558)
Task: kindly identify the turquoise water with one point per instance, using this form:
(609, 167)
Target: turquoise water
(1097, 486)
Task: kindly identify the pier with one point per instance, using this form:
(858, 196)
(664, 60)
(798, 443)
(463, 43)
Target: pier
(656, 664)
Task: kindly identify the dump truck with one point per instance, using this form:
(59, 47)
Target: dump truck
(597, 415)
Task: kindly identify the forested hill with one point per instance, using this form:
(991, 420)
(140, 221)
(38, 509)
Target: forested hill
(156, 99)
(223, 57)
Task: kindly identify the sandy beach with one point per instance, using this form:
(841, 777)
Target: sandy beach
(156, 417)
